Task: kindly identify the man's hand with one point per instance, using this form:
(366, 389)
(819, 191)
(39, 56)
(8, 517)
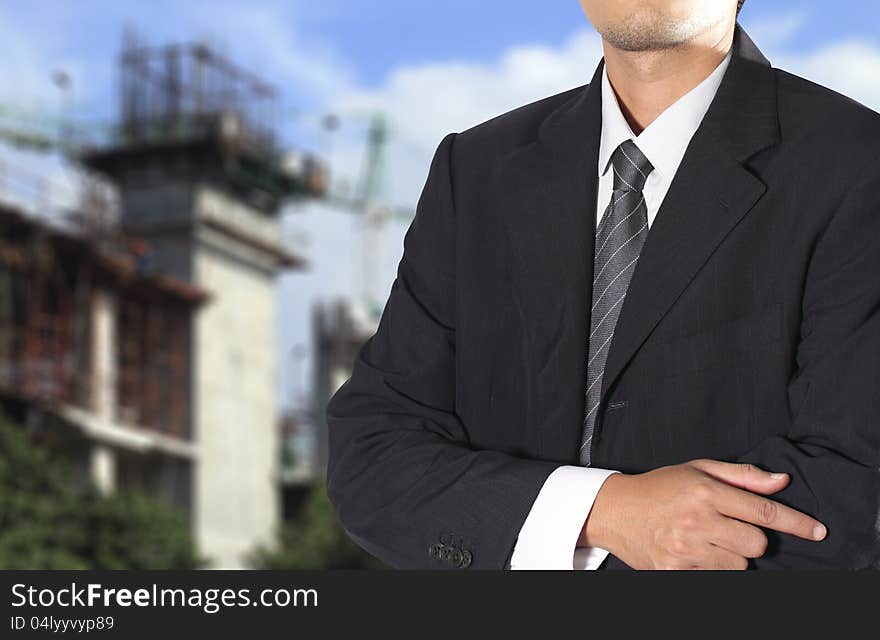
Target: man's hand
(698, 515)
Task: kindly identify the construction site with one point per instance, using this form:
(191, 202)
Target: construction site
(138, 325)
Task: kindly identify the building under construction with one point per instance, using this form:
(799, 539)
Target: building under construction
(339, 330)
(161, 357)
(95, 354)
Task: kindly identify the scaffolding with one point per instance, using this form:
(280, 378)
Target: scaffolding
(49, 281)
(186, 91)
(45, 342)
(153, 355)
(188, 101)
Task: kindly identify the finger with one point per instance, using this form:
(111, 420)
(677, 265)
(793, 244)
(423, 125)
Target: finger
(764, 512)
(738, 537)
(743, 475)
(720, 559)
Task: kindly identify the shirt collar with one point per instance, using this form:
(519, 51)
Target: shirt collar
(665, 140)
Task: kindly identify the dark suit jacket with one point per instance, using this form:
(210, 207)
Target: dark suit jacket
(750, 332)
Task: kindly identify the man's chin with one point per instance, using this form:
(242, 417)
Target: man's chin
(653, 31)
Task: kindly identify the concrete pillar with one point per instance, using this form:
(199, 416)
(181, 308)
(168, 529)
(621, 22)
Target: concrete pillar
(104, 355)
(102, 458)
(102, 468)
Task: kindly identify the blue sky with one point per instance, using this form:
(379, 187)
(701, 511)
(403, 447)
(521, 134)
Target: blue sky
(411, 32)
(432, 67)
(369, 37)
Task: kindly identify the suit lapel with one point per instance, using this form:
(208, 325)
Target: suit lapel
(711, 192)
(549, 188)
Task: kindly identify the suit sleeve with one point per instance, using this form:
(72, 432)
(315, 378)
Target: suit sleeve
(833, 448)
(402, 475)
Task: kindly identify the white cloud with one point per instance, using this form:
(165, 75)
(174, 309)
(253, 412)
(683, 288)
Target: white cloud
(778, 30)
(278, 48)
(851, 67)
(425, 102)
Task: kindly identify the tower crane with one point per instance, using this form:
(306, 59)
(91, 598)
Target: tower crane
(368, 203)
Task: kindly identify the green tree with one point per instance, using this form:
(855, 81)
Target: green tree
(41, 524)
(128, 530)
(48, 520)
(315, 541)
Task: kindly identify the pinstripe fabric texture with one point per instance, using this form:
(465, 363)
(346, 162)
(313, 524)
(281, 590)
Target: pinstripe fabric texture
(619, 240)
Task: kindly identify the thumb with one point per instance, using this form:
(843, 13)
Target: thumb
(743, 475)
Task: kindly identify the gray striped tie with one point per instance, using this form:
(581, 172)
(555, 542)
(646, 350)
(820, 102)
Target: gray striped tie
(619, 240)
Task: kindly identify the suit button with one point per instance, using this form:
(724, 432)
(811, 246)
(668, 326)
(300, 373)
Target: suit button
(436, 550)
(454, 557)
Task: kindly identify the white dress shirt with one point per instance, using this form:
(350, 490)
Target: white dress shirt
(549, 534)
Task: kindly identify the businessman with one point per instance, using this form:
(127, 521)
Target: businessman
(635, 324)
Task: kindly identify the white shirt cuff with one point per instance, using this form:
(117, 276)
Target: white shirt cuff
(549, 535)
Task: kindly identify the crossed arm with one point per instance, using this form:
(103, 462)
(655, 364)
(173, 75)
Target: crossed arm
(403, 475)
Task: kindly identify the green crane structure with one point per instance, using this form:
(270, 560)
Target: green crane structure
(369, 204)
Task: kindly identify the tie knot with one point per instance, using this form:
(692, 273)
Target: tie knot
(631, 167)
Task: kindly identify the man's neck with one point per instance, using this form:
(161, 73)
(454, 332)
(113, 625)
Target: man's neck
(648, 82)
